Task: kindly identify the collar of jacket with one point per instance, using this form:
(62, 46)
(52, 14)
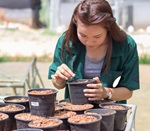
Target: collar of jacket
(117, 49)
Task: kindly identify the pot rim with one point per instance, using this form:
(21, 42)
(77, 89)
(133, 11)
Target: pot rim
(81, 81)
(126, 108)
(42, 89)
(113, 112)
(22, 108)
(15, 97)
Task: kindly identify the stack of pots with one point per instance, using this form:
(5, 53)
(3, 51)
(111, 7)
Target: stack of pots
(21, 100)
(42, 108)
(108, 116)
(9, 123)
(3, 119)
(77, 98)
(113, 119)
(120, 116)
(42, 103)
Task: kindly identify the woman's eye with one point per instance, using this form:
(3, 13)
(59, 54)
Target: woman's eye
(98, 36)
(82, 35)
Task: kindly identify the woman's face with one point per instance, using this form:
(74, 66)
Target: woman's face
(92, 36)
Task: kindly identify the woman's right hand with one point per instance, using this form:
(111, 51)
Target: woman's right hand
(62, 74)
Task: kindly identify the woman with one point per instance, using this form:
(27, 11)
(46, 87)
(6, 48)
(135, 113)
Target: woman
(95, 47)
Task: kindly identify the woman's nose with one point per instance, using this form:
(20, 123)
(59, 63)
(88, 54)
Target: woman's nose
(89, 42)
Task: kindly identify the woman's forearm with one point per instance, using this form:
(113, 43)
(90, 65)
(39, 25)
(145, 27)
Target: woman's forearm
(121, 93)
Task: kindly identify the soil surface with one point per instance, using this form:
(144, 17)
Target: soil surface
(10, 108)
(45, 123)
(3, 116)
(115, 107)
(28, 117)
(17, 100)
(82, 119)
(78, 107)
(64, 114)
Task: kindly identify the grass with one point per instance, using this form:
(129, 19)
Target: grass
(6, 58)
(144, 59)
(44, 12)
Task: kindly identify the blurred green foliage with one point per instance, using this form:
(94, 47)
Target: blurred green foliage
(144, 59)
(44, 58)
(45, 17)
(44, 12)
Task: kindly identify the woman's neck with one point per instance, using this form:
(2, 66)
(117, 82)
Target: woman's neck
(98, 53)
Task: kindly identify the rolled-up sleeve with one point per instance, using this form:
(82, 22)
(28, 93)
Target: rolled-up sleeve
(130, 75)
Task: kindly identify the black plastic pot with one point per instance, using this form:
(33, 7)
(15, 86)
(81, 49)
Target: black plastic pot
(46, 128)
(120, 116)
(3, 121)
(58, 108)
(25, 103)
(42, 105)
(64, 102)
(23, 119)
(76, 90)
(108, 116)
(104, 101)
(87, 126)
(21, 123)
(11, 122)
(65, 125)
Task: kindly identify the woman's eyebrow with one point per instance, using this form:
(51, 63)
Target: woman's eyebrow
(82, 33)
(98, 35)
(93, 36)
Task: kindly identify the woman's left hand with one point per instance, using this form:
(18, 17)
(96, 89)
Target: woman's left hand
(96, 91)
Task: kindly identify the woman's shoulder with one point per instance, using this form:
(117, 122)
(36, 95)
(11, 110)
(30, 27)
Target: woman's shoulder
(61, 38)
(126, 47)
(130, 41)
(59, 41)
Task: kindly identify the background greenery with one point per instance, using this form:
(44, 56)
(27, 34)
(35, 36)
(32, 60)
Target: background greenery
(144, 59)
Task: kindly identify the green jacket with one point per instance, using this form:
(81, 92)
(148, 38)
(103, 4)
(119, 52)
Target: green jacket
(124, 63)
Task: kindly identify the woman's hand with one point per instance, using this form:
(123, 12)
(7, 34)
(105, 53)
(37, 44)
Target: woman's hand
(96, 91)
(62, 74)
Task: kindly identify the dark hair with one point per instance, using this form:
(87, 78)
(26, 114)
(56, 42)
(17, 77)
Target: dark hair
(92, 12)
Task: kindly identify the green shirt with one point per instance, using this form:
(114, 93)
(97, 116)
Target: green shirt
(124, 62)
